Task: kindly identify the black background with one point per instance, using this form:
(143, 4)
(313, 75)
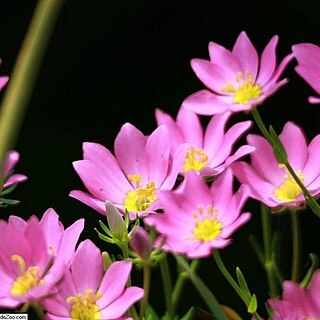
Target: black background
(111, 62)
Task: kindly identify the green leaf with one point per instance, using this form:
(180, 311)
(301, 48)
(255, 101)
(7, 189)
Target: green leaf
(189, 315)
(242, 283)
(203, 290)
(9, 202)
(253, 305)
(151, 313)
(8, 190)
(105, 228)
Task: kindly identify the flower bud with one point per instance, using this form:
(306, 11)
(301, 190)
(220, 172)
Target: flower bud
(115, 221)
(141, 243)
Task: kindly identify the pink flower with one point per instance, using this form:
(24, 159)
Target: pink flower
(270, 182)
(132, 178)
(236, 80)
(198, 219)
(141, 243)
(308, 55)
(33, 254)
(298, 303)
(85, 290)
(3, 80)
(10, 161)
(208, 152)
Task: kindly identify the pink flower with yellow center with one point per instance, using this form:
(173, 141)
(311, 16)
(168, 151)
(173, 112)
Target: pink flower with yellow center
(270, 181)
(198, 219)
(130, 179)
(33, 255)
(209, 152)
(308, 55)
(298, 303)
(237, 80)
(87, 293)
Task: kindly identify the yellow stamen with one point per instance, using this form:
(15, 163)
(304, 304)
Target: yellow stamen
(246, 90)
(142, 197)
(207, 226)
(289, 190)
(196, 159)
(84, 306)
(28, 278)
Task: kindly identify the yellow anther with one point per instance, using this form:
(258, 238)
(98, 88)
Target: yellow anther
(196, 159)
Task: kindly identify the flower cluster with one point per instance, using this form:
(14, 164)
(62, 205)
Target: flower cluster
(172, 192)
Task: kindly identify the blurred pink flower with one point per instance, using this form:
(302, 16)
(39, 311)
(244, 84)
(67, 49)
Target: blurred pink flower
(298, 303)
(33, 255)
(10, 161)
(3, 80)
(197, 219)
(86, 293)
(270, 182)
(308, 57)
(130, 179)
(236, 80)
(208, 152)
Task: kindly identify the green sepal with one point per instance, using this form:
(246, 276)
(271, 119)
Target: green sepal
(8, 202)
(8, 190)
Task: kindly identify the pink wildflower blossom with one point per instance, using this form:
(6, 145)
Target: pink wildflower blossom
(130, 179)
(86, 291)
(197, 218)
(236, 80)
(10, 161)
(308, 57)
(270, 182)
(209, 152)
(298, 303)
(3, 80)
(33, 254)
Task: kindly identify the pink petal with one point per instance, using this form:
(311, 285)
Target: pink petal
(114, 282)
(15, 178)
(11, 159)
(295, 144)
(205, 103)
(312, 167)
(191, 127)
(214, 134)
(130, 150)
(3, 81)
(157, 152)
(227, 231)
(225, 59)
(268, 61)
(86, 267)
(241, 152)
(247, 54)
(89, 200)
(264, 161)
(281, 67)
(314, 100)
(117, 308)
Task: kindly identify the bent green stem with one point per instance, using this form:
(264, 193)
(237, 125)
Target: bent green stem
(167, 285)
(295, 271)
(25, 71)
(232, 282)
(182, 277)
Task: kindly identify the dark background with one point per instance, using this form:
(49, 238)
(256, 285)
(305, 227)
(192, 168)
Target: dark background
(111, 62)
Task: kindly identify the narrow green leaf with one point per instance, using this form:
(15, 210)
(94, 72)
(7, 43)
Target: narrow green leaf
(203, 290)
(242, 283)
(189, 315)
(314, 265)
(8, 190)
(105, 228)
(151, 313)
(9, 202)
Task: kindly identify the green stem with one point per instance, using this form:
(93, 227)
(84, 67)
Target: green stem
(183, 276)
(39, 311)
(268, 262)
(167, 285)
(146, 288)
(295, 246)
(25, 71)
(232, 282)
(259, 122)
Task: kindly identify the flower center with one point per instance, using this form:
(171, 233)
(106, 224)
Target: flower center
(196, 159)
(142, 197)
(27, 280)
(289, 190)
(207, 226)
(84, 306)
(246, 89)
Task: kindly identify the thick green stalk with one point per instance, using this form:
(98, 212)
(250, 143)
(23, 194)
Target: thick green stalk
(146, 288)
(25, 71)
(167, 285)
(295, 246)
